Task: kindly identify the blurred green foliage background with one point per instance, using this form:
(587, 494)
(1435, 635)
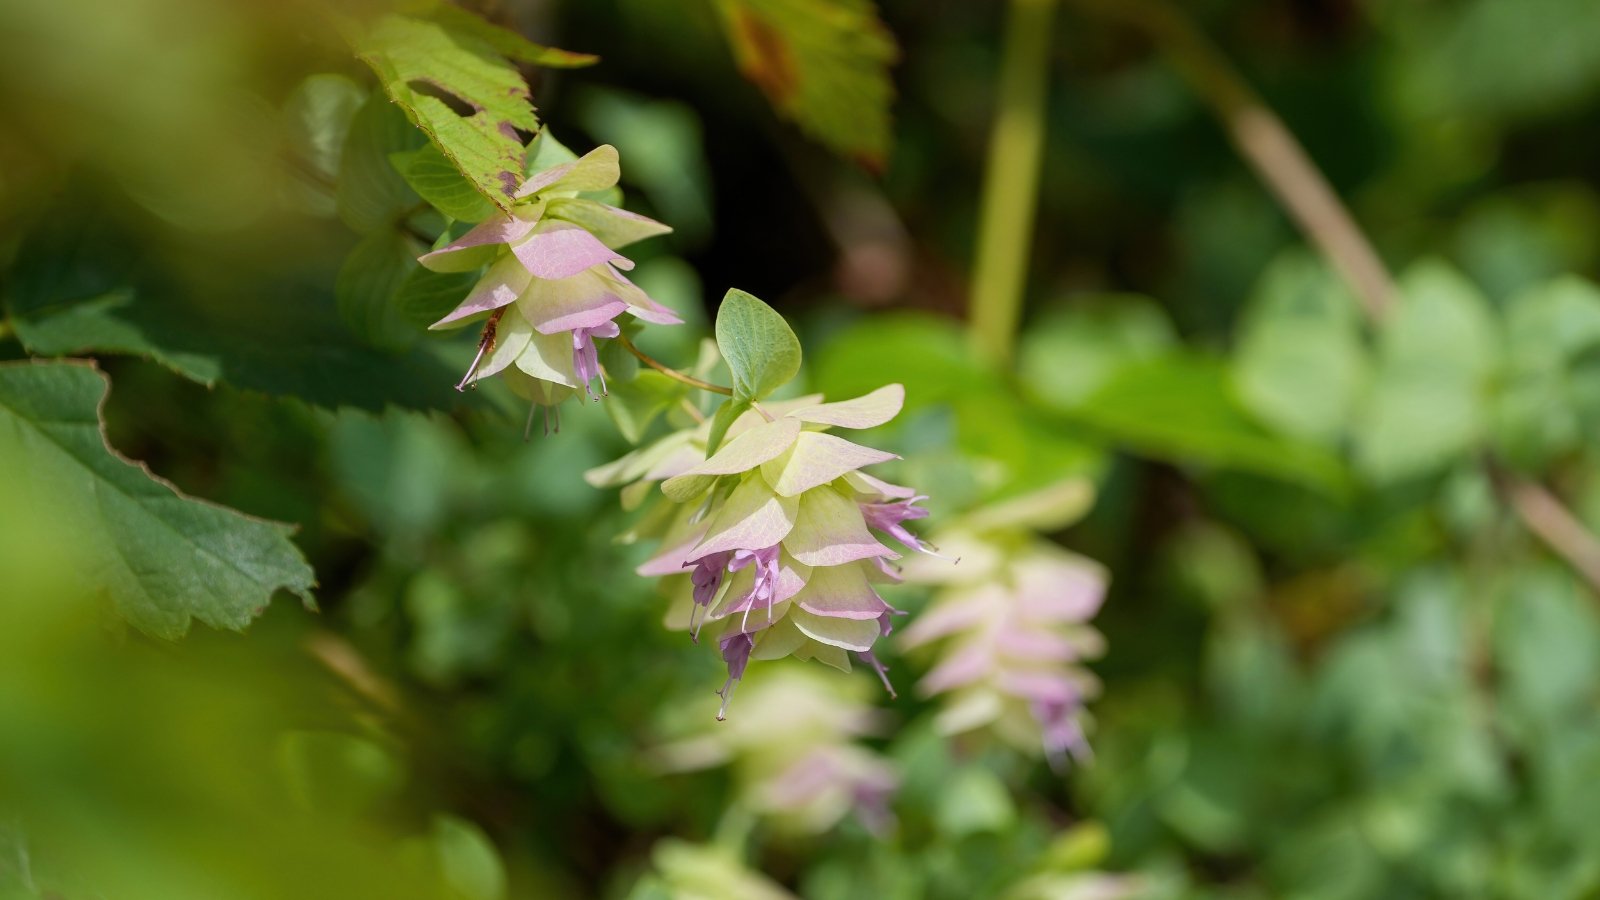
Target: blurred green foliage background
(1342, 660)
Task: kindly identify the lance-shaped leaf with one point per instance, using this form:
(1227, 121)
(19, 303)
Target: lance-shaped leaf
(162, 558)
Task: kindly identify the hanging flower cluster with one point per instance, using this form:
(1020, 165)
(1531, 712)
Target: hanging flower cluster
(794, 753)
(1012, 624)
(776, 536)
(555, 259)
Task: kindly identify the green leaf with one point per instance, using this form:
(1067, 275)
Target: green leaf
(81, 286)
(1074, 350)
(726, 414)
(450, 74)
(824, 64)
(372, 195)
(1300, 365)
(1437, 353)
(761, 350)
(162, 558)
(504, 41)
(1182, 408)
(438, 181)
(368, 282)
(317, 118)
(1549, 393)
(636, 403)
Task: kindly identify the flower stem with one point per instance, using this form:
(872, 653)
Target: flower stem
(1283, 164)
(1265, 143)
(672, 373)
(1011, 180)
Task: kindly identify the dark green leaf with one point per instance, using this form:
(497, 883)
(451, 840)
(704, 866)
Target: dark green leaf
(368, 285)
(161, 557)
(438, 181)
(372, 194)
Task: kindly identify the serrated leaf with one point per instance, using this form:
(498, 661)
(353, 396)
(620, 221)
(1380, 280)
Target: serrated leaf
(822, 63)
(761, 350)
(438, 181)
(78, 287)
(162, 558)
(504, 41)
(450, 74)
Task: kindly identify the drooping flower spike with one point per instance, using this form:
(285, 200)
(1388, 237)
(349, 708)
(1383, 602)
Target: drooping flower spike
(553, 260)
(776, 530)
(1012, 625)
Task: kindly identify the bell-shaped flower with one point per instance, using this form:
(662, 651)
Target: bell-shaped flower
(1013, 632)
(774, 531)
(794, 752)
(554, 257)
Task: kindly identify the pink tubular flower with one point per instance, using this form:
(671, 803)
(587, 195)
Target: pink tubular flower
(774, 528)
(1013, 634)
(554, 259)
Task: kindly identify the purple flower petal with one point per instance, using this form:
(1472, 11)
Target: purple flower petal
(561, 251)
(499, 230)
(501, 285)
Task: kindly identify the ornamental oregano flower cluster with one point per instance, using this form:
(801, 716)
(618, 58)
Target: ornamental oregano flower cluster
(775, 537)
(555, 260)
(767, 520)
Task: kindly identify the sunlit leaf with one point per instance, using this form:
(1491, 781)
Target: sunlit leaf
(448, 70)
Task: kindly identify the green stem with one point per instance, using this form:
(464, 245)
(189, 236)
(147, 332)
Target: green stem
(1011, 180)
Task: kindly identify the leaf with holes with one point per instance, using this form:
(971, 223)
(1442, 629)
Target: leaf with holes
(824, 64)
(448, 70)
(163, 559)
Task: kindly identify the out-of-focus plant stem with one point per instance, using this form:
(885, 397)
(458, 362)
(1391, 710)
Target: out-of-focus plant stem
(1265, 142)
(1011, 180)
(1283, 164)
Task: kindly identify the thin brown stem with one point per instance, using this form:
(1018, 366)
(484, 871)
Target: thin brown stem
(672, 373)
(1541, 511)
(1266, 143)
(1283, 164)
